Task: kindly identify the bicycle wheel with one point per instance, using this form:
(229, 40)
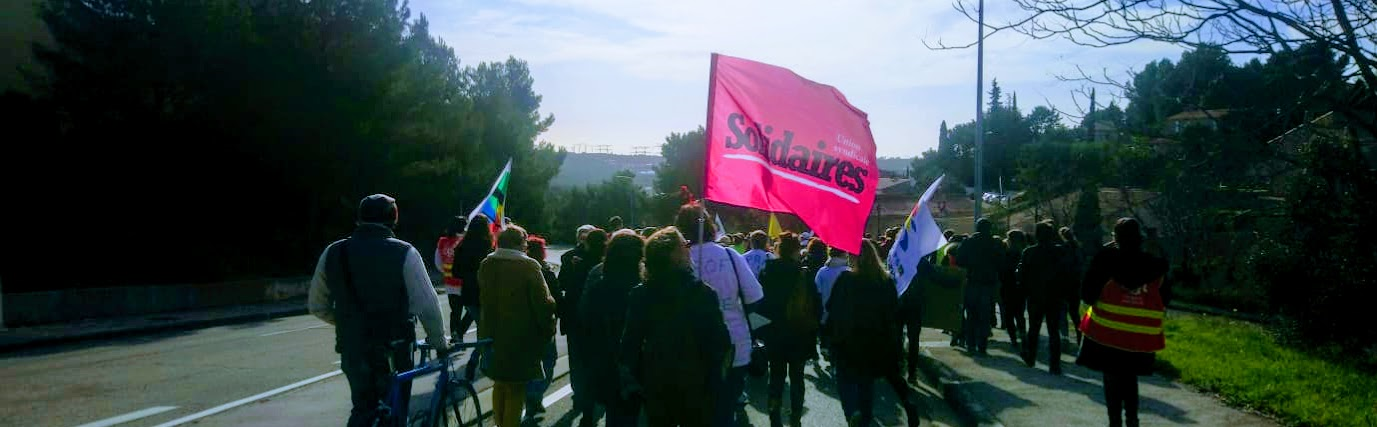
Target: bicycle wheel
(460, 408)
(419, 419)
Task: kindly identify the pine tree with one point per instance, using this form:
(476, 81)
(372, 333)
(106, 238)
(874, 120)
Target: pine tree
(995, 94)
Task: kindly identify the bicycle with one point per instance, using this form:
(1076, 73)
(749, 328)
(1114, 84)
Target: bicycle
(454, 403)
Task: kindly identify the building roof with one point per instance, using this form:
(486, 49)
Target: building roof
(889, 184)
(1198, 115)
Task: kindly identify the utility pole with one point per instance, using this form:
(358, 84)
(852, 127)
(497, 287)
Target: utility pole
(979, 110)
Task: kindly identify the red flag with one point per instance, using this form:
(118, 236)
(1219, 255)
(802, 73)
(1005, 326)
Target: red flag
(782, 143)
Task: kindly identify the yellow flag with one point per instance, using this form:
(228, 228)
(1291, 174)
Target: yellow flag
(775, 229)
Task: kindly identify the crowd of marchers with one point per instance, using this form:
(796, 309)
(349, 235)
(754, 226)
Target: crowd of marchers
(670, 323)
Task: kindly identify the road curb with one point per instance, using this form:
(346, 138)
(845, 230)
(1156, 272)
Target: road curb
(49, 341)
(955, 391)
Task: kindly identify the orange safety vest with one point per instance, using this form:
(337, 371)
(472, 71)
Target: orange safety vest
(446, 247)
(1129, 320)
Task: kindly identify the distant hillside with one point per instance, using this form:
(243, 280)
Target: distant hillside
(894, 164)
(591, 168)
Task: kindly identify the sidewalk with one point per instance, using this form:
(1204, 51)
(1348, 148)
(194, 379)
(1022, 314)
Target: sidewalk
(1000, 390)
(30, 337)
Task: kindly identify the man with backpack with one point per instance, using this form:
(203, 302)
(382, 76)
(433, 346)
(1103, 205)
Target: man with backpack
(370, 286)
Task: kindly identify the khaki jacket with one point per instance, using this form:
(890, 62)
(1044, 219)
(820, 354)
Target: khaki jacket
(518, 314)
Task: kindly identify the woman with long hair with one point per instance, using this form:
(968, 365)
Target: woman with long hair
(595, 246)
(675, 342)
(602, 313)
(468, 256)
(793, 302)
(864, 322)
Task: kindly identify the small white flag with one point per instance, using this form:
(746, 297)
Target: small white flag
(919, 237)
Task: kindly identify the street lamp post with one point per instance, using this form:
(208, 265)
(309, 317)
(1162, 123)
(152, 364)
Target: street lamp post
(979, 110)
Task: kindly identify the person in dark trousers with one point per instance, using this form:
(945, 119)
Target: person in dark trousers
(795, 309)
(535, 390)
(1041, 269)
(864, 320)
(602, 314)
(370, 286)
(1071, 293)
(675, 343)
(585, 404)
(911, 311)
(1012, 298)
(982, 256)
(1123, 285)
(478, 243)
(444, 262)
(738, 293)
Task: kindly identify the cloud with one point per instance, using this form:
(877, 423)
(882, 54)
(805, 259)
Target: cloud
(872, 50)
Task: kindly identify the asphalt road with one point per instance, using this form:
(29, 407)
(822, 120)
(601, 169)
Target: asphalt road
(278, 372)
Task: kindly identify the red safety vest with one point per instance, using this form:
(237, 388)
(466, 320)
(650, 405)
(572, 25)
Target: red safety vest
(446, 247)
(1129, 320)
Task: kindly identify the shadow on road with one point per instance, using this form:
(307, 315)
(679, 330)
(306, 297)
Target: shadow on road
(1075, 379)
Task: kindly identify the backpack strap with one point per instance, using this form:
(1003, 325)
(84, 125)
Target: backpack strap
(741, 294)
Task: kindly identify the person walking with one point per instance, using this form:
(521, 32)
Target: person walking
(1012, 298)
(444, 261)
(727, 273)
(519, 316)
(370, 286)
(585, 404)
(815, 255)
(477, 244)
(1071, 292)
(535, 390)
(1041, 270)
(792, 303)
(602, 314)
(759, 253)
(1123, 329)
(837, 262)
(675, 342)
(982, 257)
(864, 311)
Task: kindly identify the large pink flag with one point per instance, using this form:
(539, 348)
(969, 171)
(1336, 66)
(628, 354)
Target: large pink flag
(782, 143)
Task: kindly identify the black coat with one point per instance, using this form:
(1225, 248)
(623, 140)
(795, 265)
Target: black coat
(602, 316)
(781, 279)
(467, 259)
(675, 343)
(1131, 269)
(982, 256)
(1042, 270)
(572, 281)
(863, 322)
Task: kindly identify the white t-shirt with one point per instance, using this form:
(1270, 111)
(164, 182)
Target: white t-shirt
(722, 269)
(756, 259)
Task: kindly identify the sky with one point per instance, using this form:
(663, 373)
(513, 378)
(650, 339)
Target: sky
(627, 73)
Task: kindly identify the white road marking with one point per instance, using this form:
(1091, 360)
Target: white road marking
(142, 413)
(557, 395)
(247, 400)
(336, 362)
(290, 331)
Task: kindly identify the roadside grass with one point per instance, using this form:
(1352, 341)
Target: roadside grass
(1246, 366)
